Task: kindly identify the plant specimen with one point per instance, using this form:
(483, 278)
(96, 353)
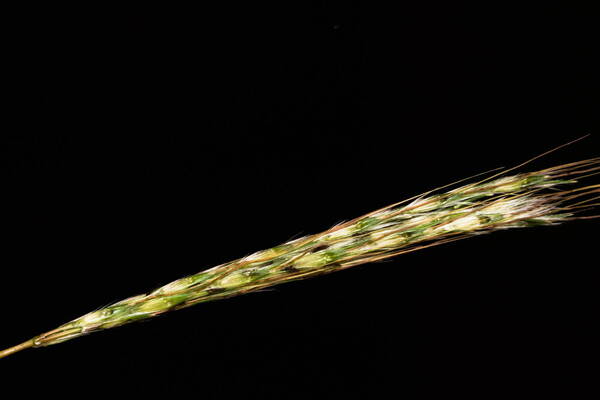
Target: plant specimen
(500, 201)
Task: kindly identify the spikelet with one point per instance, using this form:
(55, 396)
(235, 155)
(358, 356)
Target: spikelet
(498, 202)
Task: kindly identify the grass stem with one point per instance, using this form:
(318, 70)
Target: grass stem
(17, 348)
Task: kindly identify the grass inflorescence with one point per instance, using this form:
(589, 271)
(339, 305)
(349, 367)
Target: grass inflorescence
(498, 202)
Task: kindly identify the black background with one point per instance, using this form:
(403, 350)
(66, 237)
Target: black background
(148, 143)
